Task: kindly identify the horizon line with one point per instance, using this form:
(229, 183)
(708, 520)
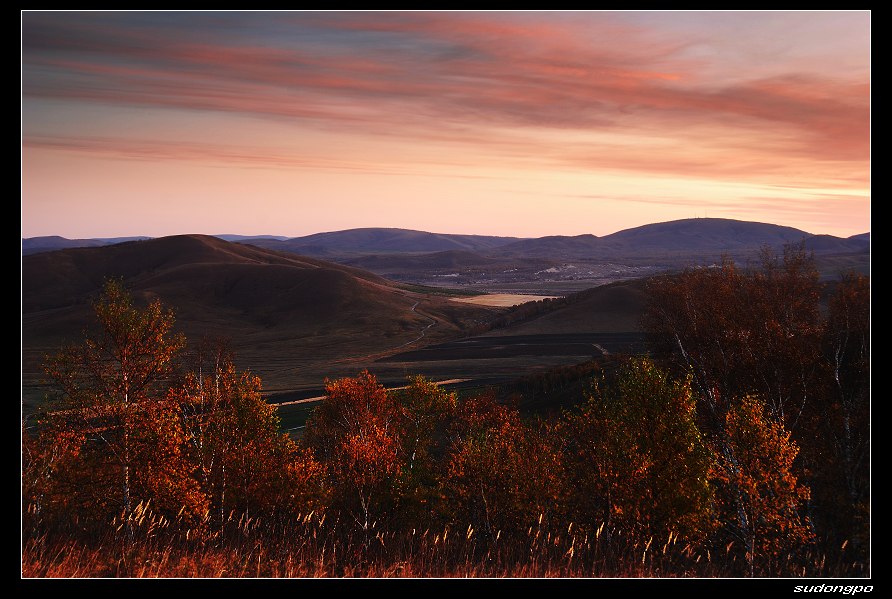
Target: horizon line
(290, 237)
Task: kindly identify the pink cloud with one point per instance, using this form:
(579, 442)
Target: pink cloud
(567, 93)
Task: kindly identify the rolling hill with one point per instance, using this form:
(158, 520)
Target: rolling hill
(704, 237)
(552, 245)
(562, 264)
(613, 308)
(286, 314)
(552, 265)
(375, 248)
(824, 244)
(53, 279)
(382, 241)
(232, 237)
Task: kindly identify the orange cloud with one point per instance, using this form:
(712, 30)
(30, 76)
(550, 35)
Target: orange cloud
(563, 92)
(493, 72)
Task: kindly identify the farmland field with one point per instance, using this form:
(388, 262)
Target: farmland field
(501, 300)
(475, 348)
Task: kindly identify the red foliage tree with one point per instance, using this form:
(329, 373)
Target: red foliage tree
(761, 495)
(427, 412)
(245, 464)
(503, 475)
(356, 432)
(741, 331)
(48, 459)
(113, 397)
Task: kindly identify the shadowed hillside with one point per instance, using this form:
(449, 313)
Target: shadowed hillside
(285, 314)
(53, 279)
(613, 308)
(436, 260)
(831, 244)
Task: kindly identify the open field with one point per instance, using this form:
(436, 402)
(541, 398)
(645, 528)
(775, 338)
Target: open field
(468, 365)
(502, 300)
(585, 345)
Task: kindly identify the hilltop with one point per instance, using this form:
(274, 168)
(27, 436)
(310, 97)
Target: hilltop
(285, 314)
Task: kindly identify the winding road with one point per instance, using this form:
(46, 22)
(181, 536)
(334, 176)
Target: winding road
(423, 331)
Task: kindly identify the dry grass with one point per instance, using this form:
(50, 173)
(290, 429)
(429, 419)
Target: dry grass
(313, 546)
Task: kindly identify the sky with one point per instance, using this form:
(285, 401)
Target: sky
(498, 123)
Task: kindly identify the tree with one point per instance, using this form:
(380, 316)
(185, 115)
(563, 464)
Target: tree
(355, 432)
(245, 464)
(841, 419)
(639, 458)
(783, 297)
(848, 344)
(113, 396)
(503, 475)
(762, 496)
(740, 331)
(427, 411)
(48, 459)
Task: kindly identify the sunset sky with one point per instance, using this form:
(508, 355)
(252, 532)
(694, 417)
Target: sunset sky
(501, 123)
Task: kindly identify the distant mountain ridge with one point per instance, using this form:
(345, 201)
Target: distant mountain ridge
(688, 236)
(231, 237)
(710, 236)
(383, 241)
(49, 243)
(827, 243)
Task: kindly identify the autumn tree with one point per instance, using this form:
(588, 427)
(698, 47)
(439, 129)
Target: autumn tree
(426, 413)
(49, 458)
(751, 339)
(355, 432)
(245, 464)
(762, 497)
(503, 474)
(201, 394)
(113, 395)
(840, 422)
(848, 347)
(758, 331)
(784, 317)
(738, 331)
(640, 462)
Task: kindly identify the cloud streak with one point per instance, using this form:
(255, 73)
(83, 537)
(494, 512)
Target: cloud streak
(583, 91)
(474, 70)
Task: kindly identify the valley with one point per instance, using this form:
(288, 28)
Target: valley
(396, 302)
